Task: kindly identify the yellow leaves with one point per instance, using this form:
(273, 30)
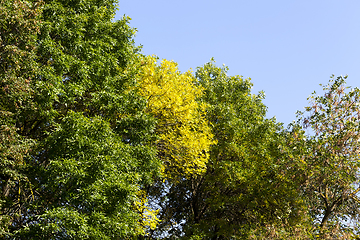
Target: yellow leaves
(169, 92)
(188, 148)
(148, 216)
(185, 136)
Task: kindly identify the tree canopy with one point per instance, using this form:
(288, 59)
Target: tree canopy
(99, 141)
(184, 134)
(332, 159)
(68, 170)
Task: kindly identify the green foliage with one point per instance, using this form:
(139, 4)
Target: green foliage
(19, 25)
(100, 142)
(245, 189)
(91, 176)
(74, 140)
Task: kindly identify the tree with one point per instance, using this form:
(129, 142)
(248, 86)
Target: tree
(84, 138)
(245, 186)
(19, 25)
(184, 134)
(333, 159)
(100, 142)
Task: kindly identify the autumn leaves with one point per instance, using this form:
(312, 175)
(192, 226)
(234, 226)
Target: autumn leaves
(184, 133)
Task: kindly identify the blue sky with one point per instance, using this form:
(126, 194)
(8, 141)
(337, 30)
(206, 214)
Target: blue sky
(287, 47)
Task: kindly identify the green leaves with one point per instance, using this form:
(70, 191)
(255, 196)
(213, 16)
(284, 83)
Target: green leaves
(91, 171)
(75, 141)
(19, 25)
(246, 184)
(100, 142)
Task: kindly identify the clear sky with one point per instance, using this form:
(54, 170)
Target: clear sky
(287, 47)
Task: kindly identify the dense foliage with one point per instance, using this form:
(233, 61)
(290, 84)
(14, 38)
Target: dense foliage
(184, 135)
(98, 141)
(74, 140)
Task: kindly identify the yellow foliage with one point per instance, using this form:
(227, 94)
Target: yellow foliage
(148, 215)
(185, 136)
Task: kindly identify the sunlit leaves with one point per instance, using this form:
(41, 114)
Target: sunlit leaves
(244, 185)
(74, 144)
(100, 142)
(149, 218)
(184, 134)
